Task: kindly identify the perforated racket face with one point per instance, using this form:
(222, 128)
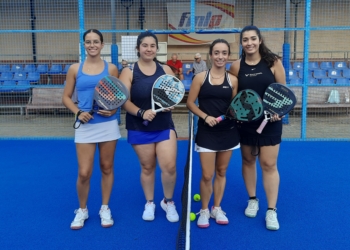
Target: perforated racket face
(110, 93)
(167, 91)
(279, 99)
(246, 106)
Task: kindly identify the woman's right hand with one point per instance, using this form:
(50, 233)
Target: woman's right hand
(211, 121)
(149, 115)
(85, 117)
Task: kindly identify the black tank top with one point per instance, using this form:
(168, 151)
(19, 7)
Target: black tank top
(258, 77)
(140, 92)
(214, 100)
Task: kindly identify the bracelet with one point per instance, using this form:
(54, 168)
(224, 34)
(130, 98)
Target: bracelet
(140, 113)
(205, 118)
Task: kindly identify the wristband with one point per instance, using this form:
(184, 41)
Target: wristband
(140, 113)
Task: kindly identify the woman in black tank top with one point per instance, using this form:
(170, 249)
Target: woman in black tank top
(214, 141)
(257, 68)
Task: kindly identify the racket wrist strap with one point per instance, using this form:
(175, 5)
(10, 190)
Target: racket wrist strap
(78, 113)
(140, 113)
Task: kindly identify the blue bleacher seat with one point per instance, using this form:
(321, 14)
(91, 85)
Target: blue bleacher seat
(326, 65)
(342, 81)
(6, 76)
(313, 81)
(19, 76)
(293, 74)
(228, 65)
(298, 66)
(335, 73)
(4, 68)
(29, 68)
(186, 66)
(187, 84)
(33, 77)
(23, 85)
(296, 81)
(55, 69)
(66, 67)
(187, 78)
(346, 73)
(8, 86)
(16, 68)
(313, 66)
(42, 68)
(327, 81)
(340, 65)
(300, 74)
(320, 73)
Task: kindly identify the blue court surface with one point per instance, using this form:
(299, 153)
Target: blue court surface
(38, 198)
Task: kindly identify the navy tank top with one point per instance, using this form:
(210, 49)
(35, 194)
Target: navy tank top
(140, 92)
(214, 100)
(258, 77)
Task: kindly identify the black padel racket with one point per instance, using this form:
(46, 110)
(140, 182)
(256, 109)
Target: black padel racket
(246, 106)
(167, 92)
(110, 93)
(278, 100)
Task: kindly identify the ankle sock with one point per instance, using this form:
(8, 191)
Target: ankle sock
(166, 200)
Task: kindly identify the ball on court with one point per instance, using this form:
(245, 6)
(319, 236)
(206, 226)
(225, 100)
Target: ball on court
(197, 197)
(192, 216)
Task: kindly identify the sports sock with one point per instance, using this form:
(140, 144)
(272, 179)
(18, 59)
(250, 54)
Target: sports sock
(166, 200)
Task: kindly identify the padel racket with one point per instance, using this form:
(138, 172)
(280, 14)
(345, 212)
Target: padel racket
(246, 106)
(167, 92)
(278, 100)
(109, 94)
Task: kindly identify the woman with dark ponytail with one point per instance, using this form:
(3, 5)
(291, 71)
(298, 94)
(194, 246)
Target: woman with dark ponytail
(257, 68)
(157, 141)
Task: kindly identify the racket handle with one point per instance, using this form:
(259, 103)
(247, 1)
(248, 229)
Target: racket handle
(145, 122)
(262, 126)
(220, 118)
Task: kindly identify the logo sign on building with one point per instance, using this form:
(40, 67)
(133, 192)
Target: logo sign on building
(208, 15)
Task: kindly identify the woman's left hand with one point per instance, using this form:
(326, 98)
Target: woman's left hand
(275, 118)
(106, 113)
(168, 109)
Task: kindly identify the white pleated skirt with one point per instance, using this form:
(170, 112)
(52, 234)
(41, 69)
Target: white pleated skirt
(97, 132)
(206, 150)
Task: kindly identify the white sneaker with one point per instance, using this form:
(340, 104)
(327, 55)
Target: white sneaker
(80, 216)
(271, 220)
(170, 210)
(252, 208)
(219, 215)
(148, 213)
(203, 220)
(106, 217)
